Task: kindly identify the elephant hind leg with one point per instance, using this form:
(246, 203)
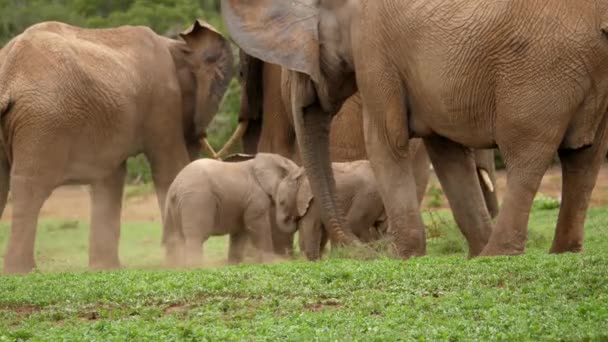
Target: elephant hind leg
(579, 175)
(455, 168)
(236, 249)
(197, 225)
(526, 166)
(29, 194)
(106, 204)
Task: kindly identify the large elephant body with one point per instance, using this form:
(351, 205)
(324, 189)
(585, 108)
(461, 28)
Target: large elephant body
(524, 76)
(266, 114)
(76, 103)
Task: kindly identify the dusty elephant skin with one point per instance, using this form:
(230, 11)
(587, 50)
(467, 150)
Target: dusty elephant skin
(210, 197)
(357, 193)
(76, 103)
(527, 78)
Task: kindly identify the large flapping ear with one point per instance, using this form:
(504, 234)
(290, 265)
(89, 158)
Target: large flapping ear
(304, 198)
(283, 32)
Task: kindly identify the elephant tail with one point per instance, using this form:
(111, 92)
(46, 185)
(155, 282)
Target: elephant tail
(5, 163)
(173, 236)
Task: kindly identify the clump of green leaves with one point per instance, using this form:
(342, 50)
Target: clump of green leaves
(545, 202)
(436, 196)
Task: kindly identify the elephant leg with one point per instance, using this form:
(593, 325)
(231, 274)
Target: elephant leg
(455, 167)
(282, 242)
(258, 226)
(106, 204)
(236, 250)
(166, 162)
(523, 179)
(28, 196)
(421, 166)
(579, 175)
(196, 227)
(310, 235)
(387, 144)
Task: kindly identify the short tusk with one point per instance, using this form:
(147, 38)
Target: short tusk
(236, 136)
(485, 176)
(208, 148)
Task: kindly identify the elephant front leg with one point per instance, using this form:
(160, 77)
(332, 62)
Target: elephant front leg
(236, 250)
(166, 162)
(28, 195)
(106, 205)
(258, 227)
(579, 175)
(455, 167)
(387, 143)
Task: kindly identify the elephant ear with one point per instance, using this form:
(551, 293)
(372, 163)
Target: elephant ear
(270, 169)
(283, 32)
(304, 198)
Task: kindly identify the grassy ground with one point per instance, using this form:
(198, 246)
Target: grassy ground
(439, 297)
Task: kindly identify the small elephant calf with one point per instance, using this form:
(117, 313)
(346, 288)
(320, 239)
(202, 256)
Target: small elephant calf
(210, 197)
(356, 190)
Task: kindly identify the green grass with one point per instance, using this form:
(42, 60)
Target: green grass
(439, 297)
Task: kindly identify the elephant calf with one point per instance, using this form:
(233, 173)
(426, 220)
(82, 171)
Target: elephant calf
(357, 191)
(210, 197)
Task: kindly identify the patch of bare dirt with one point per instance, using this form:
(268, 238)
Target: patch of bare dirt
(322, 305)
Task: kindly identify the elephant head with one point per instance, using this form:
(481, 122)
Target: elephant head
(311, 39)
(294, 198)
(270, 170)
(204, 63)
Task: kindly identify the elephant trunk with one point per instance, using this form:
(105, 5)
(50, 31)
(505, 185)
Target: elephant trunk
(312, 130)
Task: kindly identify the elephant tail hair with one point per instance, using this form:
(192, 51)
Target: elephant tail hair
(172, 223)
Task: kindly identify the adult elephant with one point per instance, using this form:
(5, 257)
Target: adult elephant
(266, 125)
(76, 103)
(527, 78)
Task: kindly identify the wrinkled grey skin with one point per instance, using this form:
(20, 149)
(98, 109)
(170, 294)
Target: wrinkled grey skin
(358, 194)
(76, 103)
(210, 198)
(524, 76)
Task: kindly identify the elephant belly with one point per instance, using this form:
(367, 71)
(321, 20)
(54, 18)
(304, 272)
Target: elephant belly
(92, 158)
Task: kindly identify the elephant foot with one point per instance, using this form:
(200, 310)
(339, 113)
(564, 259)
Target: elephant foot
(102, 264)
(19, 267)
(560, 247)
(502, 250)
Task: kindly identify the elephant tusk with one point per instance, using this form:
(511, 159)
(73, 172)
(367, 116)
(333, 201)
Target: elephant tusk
(485, 176)
(236, 136)
(206, 146)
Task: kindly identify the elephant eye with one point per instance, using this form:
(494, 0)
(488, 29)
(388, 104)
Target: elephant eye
(211, 57)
